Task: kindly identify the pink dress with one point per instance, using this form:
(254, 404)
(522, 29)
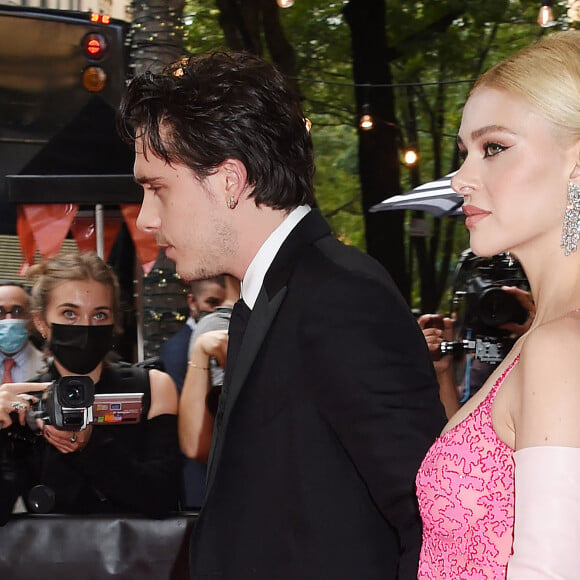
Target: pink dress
(465, 488)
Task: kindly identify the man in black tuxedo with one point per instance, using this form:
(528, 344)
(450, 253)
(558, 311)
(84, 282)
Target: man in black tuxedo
(330, 400)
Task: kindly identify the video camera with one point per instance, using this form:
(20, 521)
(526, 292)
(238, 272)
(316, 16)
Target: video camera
(482, 306)
(67, 404)
(71, 404)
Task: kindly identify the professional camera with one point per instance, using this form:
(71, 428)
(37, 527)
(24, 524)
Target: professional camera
(481, 306)
(67, 404)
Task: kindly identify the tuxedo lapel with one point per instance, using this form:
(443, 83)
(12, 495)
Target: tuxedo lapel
(260, 320)
(311, 228)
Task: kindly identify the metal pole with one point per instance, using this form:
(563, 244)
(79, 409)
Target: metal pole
(138, 296)
(100, 230)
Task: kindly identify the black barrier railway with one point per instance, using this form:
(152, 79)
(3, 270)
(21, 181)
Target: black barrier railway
(95, 547)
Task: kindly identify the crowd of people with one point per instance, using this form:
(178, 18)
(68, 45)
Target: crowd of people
(86, 468)
(333, 447)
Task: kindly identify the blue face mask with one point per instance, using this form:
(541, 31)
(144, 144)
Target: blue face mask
(13, 335)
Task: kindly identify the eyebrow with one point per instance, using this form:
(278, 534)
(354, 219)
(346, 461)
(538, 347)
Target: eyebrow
(478, 133)
(144, 179)
(73, 305)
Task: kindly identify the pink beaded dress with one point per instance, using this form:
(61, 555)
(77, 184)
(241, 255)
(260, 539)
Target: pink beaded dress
(465, 488)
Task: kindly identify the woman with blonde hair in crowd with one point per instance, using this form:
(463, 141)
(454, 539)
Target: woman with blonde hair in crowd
(103, 468)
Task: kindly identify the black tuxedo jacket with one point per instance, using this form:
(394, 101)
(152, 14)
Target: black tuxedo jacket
(330, 408)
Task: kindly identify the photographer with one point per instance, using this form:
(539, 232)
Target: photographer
(110, 468)
(488, 315)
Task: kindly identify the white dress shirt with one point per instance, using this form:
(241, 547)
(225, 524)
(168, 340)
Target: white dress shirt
(263, 259)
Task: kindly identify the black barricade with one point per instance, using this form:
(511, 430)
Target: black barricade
(95, 547)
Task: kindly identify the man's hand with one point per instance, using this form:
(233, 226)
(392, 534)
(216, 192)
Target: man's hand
(436, 329)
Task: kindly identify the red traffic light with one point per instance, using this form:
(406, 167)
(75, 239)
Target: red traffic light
(94, 46)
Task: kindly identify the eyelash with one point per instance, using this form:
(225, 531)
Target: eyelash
(486, 147)
(153, 189)
(486, 153)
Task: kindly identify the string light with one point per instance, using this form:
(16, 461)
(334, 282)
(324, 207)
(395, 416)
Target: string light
(366, 122)
(410, 157)
(285, 3)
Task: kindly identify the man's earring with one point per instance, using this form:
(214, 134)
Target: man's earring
(231, 202)
(571, 229)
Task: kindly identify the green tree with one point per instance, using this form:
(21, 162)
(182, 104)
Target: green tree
(156, 34)
(426, 56)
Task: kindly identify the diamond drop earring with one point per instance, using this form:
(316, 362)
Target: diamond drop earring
(571, 228)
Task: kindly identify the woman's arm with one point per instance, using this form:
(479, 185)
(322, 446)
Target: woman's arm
(195, 421)
(547, 458)
(164, 398)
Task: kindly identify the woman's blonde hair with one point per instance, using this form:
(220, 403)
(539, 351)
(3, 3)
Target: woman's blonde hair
(547, 76)
(69, 267)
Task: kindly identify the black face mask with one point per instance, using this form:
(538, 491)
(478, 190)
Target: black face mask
(80, 348)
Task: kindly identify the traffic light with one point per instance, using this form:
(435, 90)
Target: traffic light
(103, 50)
(52, 62)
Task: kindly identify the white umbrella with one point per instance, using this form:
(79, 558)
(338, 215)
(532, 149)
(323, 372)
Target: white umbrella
(435, 197)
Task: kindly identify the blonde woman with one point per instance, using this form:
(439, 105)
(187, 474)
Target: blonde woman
(499, 491)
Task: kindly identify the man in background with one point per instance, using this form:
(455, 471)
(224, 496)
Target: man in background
(204, 296)
(20, 360)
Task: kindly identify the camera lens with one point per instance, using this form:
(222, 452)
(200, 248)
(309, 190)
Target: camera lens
(73, 393)
(496, 307)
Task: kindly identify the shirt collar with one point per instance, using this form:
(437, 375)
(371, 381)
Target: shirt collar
(19, 357)
(258, 267)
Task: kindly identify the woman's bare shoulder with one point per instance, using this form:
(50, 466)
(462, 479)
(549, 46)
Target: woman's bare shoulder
(548, 385)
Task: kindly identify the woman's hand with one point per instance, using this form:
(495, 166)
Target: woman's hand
(67, 441)
(212, 344)
(15, 398)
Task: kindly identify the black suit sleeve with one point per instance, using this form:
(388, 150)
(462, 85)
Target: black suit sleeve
(377, 390)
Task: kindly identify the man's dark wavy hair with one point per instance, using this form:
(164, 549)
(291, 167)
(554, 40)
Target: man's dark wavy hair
(225, 105)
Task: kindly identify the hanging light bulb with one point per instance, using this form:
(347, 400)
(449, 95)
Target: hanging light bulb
(546, 15)
(285, 3)
(410, 157)
(366, 121)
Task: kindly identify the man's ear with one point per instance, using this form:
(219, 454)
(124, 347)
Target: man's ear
(235, 178)
(192, 305)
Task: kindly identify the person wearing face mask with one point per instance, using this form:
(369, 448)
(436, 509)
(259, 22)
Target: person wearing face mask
(102, 468)
(20, 360)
